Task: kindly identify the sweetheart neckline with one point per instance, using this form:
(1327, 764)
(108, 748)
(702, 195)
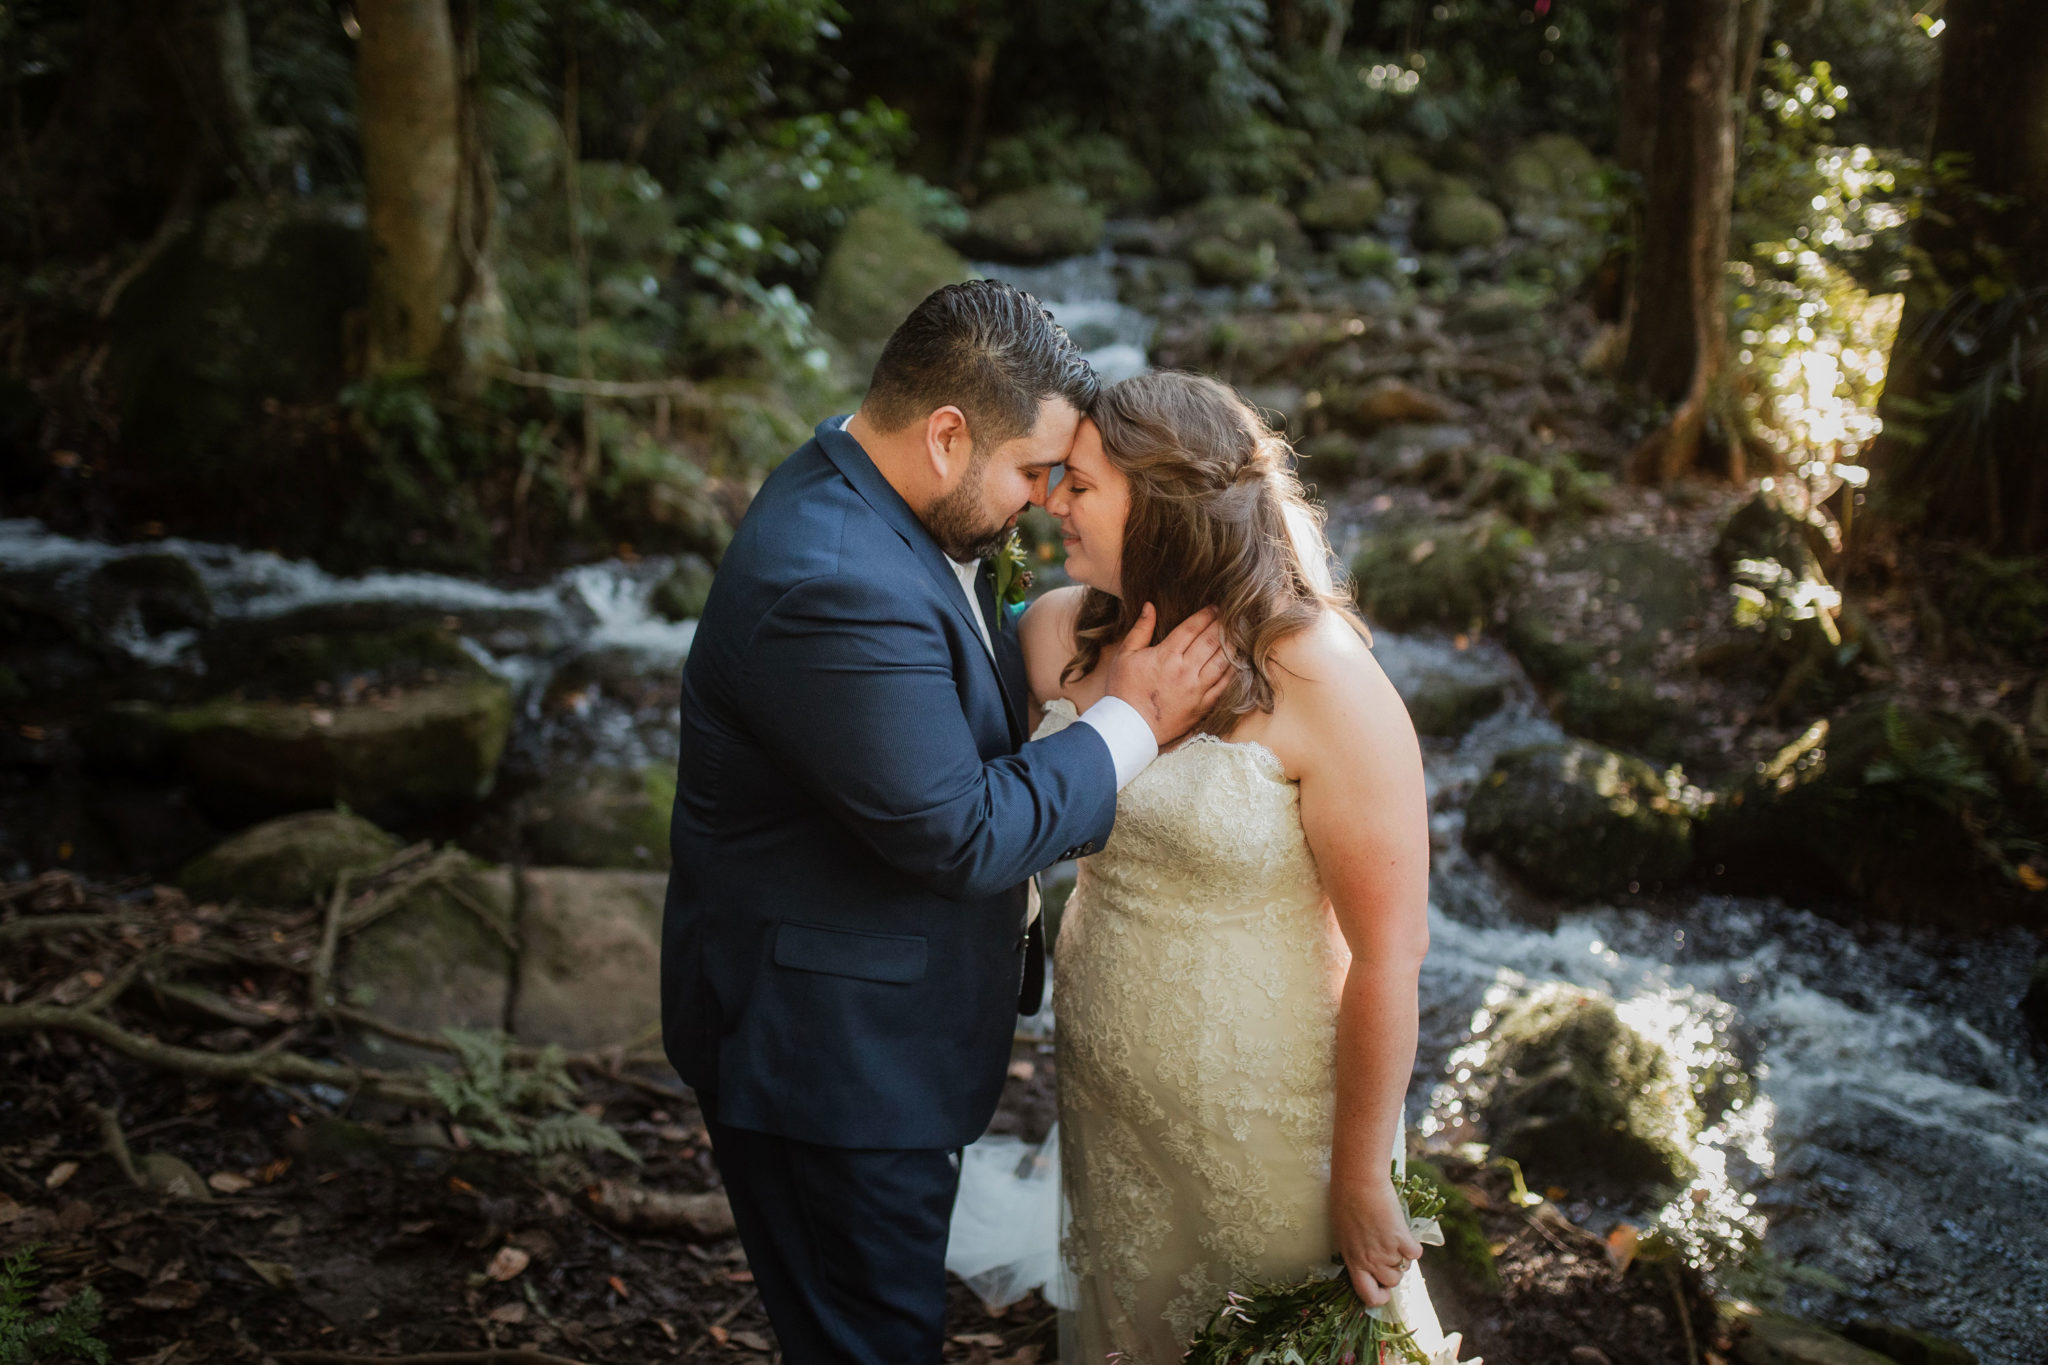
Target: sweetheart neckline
(1279, 767)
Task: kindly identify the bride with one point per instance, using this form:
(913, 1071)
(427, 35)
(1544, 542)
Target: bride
(1235, 983)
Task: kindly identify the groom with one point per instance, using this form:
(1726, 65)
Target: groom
(858, 816)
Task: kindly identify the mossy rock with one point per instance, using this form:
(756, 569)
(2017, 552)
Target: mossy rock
(439, 960)
(1442, 574)
(430, 747)
(287, 861)
(1404, 172)
(1330, 456)
(1217, 261)
(1349, 205)
(1908, 1346)
(882, 266)
(681, 596)
(1764, 528)
(603, 818)
(161, 591)
(1624, 710)
(1446, 705)
(1579, 821)
(1043, 223)
(1243, 221)
(1774, 1340)
(1453, 219)
(1367, 258)
(1894, 806)
(1465, 1259)
(1553, 169)
(1582, 1100)
(272, 658)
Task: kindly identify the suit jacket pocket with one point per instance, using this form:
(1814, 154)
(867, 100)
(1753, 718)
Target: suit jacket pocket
(895, 958)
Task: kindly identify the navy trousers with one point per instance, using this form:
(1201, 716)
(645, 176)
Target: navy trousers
(847, 1245)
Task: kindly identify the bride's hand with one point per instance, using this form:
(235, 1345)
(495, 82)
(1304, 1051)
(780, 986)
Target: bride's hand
(1370, 1227)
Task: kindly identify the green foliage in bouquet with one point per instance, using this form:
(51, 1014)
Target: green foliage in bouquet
(1319, 1320)
(27, 1336)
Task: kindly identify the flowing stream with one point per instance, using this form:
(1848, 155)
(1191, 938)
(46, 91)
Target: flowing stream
(1893, 1159)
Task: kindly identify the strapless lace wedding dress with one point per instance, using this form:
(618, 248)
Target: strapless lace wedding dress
(1195, 988)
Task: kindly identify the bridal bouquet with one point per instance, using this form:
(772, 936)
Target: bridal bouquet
(1321, 1320)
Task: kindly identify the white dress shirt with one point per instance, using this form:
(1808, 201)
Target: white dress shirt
(1132, 746)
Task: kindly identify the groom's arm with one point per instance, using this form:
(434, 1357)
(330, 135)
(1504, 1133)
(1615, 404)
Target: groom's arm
(855, 697)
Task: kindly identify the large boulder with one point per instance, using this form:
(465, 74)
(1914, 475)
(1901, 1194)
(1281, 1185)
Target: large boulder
(1386, 401)
(1582, 1099)
(1548, 173)
(599, 817)
(287, 861)
(1232, 239)
(1445, 574)
(443, 958)
(681, 595)
(245, 308)
(882, 266)
(433, 746)
(1579, 821)
(1908, 810)
(1453, 217)
(1349, 205)
(1039, 224)
(590, 941)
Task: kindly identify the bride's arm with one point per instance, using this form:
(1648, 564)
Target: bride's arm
(1046, 635)
(1365, 812)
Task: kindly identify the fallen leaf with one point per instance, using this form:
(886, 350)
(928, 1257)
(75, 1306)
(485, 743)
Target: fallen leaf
(176, 1294)
(185, 933)
(227, 1182)
(511, 1314)
(988, 1339)
(507, 1263)
(2032, 878)
(60, 1173)
(1422, 550)
(460, 1186)
(276, 1274)
(1621, 1246)
(719, 1334)
(753, 1341)
(1555, 1192)
(272, 1171)
(668, 1329)
(618, 1286)
(9, 1210)
(1023, 1069)
(1476, 1197)
(740, 1276)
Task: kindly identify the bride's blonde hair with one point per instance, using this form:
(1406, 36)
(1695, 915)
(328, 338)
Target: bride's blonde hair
(1216, 518)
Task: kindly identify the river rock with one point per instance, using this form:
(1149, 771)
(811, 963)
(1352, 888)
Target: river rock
(300, 656)
(595, 817)
(1367, 258)
(1579, 821)
(1908, 1346)
(1243, 221)
(1453, 217)
(1438, 573)
(1042, 223)
(155, 589)
(441, 959)
(1217, 261)
(1581, 1099)
(882, 266)
(1552, 171)
(432, 746)
(681, 596)
(591, 941)
(1895, 806)
(1329, 456)
(1419, 452)
(1386, 402)
(287, 861)
(1349, 205)
(1771, 1340)
(246, 307)
(1402, 171)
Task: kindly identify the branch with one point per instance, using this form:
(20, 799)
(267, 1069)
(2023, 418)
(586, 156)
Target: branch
(596, 388)
(59, 924)
(426, 1358)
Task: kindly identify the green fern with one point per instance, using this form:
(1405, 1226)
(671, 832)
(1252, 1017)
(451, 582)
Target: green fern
(527, 1110)
(27, 1337)
(1941, 772)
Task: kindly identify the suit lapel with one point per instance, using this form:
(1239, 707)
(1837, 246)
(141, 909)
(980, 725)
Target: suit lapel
(853, 463)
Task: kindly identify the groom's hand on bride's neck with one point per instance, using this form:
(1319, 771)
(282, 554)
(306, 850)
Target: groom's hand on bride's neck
(1174, 683)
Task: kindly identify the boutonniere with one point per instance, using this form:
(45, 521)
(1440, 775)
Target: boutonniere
(1013, 571)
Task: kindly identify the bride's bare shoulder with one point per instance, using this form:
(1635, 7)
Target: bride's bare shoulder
(1326, 682)
(1046, 634)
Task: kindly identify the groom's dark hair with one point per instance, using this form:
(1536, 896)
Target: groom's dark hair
(988, 349)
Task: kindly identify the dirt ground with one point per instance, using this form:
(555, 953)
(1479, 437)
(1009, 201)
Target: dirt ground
(317, 1225)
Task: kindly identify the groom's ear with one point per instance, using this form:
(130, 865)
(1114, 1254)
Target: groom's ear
(947, 442)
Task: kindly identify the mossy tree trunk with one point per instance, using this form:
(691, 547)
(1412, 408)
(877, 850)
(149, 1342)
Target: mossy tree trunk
(1965, 449)
(426, 184)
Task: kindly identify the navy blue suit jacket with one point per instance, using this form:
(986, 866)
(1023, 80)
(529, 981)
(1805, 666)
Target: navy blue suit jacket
(856, 817)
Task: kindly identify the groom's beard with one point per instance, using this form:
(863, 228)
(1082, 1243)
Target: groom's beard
(957, 521)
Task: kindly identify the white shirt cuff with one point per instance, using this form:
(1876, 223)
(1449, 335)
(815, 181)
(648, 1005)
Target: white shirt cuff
(1132, 746)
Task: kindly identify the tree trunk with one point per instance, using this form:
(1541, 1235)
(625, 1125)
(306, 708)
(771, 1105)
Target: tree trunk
(1965, 447)
(1635, 141)
(426, 184)
(1678, 314)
